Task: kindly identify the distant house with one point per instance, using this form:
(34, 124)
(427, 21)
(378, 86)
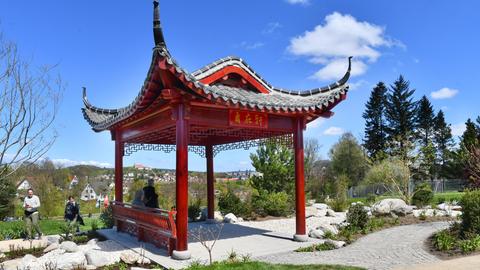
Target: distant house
(141, 167)
(88, 193)
(73, 182)
(23, 186)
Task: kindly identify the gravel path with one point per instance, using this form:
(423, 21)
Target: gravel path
(383, 250)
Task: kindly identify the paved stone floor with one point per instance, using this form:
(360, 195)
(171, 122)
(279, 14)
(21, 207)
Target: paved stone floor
(395, 247)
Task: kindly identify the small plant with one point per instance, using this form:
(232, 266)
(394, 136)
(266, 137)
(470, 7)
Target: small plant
(470, 203)
(81, 239)
(67, 230)
(207, 236)
(232, 256)
(444, 240)
(470, 245)
(246, 258)
(329, 235)
(422, 216)
(230, 203)
(357, 216)
(94, 225)
(194, 210)
(317, 247)
(371, 199)
(107, 217)
(422, 195)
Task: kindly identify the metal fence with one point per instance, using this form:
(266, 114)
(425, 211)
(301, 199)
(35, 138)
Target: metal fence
(438, 186)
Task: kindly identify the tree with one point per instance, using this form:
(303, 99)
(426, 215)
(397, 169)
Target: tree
(375, 141)
(400, 114)
(29, 102)
(471, 135)
(347, 158)
(276, 164)
(425, 122)
(7, 195)
(473, 166)
(443, 143)
(393, 175)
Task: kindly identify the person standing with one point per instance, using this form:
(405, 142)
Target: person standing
(150, 197)
(72, 213)
(31, 203)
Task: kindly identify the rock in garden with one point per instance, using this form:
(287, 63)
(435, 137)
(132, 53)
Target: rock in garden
(143, 261)
(454, 213)
(12, 264)
(51, 247)
(310, 211)
(240, 219)
(2, 256)
(336, 244)
(69, 261)
(321, 206)
(316, 234)
(92, 241)
(129, 257)
(328, 228)
(230, 218)
(69, 246)
(449, 207)
(100, 258)
(218, 216)
(29, 262)
(53, 239)
(386, 206)
(330, 213)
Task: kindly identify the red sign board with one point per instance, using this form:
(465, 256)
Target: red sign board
(248, 119)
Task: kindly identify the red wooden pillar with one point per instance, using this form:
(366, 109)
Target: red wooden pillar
(300, 233)
(210, 183)
(119, 147)
(181, 252)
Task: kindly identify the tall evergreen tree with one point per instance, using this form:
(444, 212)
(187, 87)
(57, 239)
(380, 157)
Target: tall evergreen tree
(400, 115)
(470, 135)
(443, 142)
(375, 140)
(425, 122)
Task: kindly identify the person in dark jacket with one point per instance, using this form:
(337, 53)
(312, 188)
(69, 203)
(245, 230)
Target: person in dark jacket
(72, 213)
(150, 197)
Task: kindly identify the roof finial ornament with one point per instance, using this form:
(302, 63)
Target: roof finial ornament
(345, 78)
(157, 28)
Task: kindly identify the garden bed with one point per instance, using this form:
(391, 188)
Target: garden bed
(267, 266)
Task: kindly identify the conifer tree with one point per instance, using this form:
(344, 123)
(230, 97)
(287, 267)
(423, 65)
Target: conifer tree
(375, 135)
(443, 142)
(400, 114)
(425, 122)
(470, 135)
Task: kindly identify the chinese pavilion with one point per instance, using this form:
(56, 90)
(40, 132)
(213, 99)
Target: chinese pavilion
(224, 105)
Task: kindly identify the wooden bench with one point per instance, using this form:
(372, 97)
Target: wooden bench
(151, 225)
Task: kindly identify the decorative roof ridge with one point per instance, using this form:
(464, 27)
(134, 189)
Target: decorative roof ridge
(203, 72)
(94, 108)
(157, 26)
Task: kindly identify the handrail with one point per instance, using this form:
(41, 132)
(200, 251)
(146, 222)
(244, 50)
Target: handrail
(143, 208)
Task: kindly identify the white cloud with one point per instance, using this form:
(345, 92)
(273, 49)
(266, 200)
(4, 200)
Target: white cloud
(316, 123)
(458, 129)
(444, 93)
(300, 2)
(339, 37)
(271, 28)
(357, 84)
(68, 163)
(251, 46)
(333, 131)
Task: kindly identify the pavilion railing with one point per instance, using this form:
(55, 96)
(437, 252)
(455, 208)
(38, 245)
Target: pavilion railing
(152, 225)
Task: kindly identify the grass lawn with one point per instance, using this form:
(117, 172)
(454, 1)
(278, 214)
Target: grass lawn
(48, 226)
(267, 266)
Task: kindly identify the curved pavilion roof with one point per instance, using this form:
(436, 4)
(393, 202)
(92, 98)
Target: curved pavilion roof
(200, 85)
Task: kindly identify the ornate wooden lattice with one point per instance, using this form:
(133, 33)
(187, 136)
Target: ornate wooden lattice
(286, 140)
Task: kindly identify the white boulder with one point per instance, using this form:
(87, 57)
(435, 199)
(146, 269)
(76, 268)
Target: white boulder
(454, 213)
(144, 261)
(230, 218)
(328, 228)
(310, 211)
(129, 257)
(2, 256)
(51, 247)
(330, 213)
(319, 234)
(68, 261)
(387, 206)
(321, 206)
(336, 244)
(12, 264)
(69, 246)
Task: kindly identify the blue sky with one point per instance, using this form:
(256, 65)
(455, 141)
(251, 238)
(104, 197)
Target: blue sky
(106, 47)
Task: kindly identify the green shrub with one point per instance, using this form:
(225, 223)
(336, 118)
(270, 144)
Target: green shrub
(230, 203)
(338, 205)
(15, 230)
(470, 203)
(470, 245)
(444, 240)
(107, 217)
(375, 223)
(371, 199)
(80, 239)
(275, 204)
(422, 195)
(329, 235)
(194, 210)
(441, 199)
(94, 224)
(317, 247)
(357, 216)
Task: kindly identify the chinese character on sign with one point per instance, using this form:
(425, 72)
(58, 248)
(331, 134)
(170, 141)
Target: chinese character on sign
(248, 119)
